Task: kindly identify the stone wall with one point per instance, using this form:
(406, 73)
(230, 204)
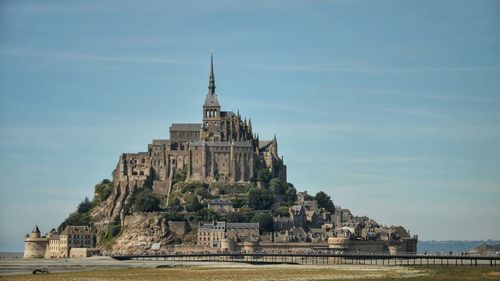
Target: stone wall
(83, 252)
(185, 249)
(35, 248)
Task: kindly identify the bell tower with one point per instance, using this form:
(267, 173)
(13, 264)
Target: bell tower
(211, 128)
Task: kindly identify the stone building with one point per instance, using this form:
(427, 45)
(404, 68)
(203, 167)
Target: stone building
(210, 234)
(222, 148)
(298, 215)
(35, 245)
(239, 232)
(56, 245)
(220, 205)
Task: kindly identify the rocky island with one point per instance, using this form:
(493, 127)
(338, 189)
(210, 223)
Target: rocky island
(214, 186)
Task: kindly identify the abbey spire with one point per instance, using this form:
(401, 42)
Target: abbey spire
(211, 99)
(211, 79)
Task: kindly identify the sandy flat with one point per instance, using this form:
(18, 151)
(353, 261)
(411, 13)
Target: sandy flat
(281, 271)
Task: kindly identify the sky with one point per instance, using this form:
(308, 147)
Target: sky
(391, 107)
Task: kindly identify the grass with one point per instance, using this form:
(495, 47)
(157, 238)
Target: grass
(273, 273)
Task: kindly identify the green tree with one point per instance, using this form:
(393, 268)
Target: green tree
(236, 217)
(238, 203)
(265, 222)
(173, 216)
(175, 204)
(291, 194)
(75, 218)
(193, 205)
(180, 176)
(247, 214)
(260, 199)
(277, 186)
(264, 175)
(282, 212)
(145, 201)
(324, 201)
(103, 190)
(203, 192)
(84, 206)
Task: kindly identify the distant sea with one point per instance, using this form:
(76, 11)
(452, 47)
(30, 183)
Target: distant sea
(10, 255)
(446, 246)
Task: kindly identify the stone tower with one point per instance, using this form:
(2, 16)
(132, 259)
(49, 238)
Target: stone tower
(34, 245)
(211, 127)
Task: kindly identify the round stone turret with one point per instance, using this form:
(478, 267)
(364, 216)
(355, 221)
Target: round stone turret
(35, 245)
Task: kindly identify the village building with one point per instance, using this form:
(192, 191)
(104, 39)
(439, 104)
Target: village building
(220, 205)
(60, 245)
(210, 234)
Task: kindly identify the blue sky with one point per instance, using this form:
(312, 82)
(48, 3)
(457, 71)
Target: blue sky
(392, 107)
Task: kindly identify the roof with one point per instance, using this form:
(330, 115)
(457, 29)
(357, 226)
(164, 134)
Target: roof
(215, 226)
(227, 114)
(243, 225)
(185, 127)
(35, 229)
(219, 202)
(211, 100)
(317, 230)
(221, 143)
(265, 143)
(76, 229)
(160, 141)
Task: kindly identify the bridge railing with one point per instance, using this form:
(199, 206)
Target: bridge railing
(324, 258)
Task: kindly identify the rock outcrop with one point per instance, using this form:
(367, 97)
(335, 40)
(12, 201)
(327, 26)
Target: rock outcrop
(139, 232)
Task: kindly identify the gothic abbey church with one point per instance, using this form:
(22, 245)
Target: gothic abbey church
(223, 148)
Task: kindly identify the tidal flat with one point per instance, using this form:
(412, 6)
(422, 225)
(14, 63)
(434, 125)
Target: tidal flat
(106, 269)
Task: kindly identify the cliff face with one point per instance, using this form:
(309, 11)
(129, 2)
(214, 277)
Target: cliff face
(123, 188)
(140, 231)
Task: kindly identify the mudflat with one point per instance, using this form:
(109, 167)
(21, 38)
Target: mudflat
(104, 269)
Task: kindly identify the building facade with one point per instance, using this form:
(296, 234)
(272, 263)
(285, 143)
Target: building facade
(55, 245)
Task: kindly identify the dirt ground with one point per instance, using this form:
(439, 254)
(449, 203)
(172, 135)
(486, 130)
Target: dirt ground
(105, 269)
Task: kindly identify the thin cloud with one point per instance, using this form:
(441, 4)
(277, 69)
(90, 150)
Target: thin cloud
(370, 92)
(366, 69)
(22, 52)
(385, 159)
(280, 106)
(423, 113)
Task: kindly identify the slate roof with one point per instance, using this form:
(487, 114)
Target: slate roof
(243, 225)
(185, 127)
(73, 229)
(265, 144)
(211, 100)
(221, 143)
(219, 202)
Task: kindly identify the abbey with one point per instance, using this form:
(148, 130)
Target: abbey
(222, 148)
